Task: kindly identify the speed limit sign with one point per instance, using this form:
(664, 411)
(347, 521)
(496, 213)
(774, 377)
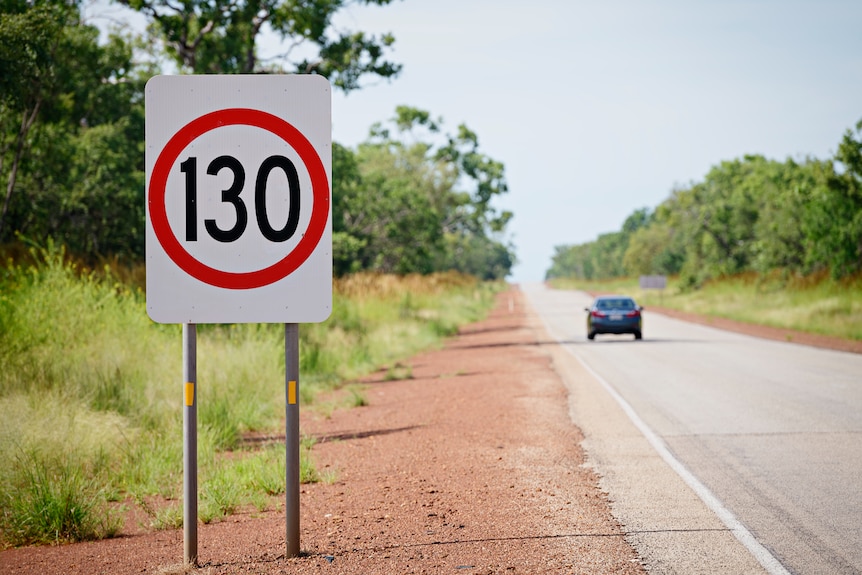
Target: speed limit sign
(238, 199)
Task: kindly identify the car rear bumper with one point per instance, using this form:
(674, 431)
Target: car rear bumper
(622, 326)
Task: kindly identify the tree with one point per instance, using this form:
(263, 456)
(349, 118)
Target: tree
(649, 251)
(406, 203)
(220, 36)
(71, 121)
(571, 261)
(783, 231)
(603, 258)
(728, 211)
(461, 154)
(399, 221)
(347, 246)
(837, 219)
(29, 40)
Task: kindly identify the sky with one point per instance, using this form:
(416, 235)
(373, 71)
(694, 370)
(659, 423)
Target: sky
(600, 108)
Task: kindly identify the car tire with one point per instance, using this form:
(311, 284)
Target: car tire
(591, 335)
(638, 335)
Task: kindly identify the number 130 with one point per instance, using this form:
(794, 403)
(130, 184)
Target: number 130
(231, 196)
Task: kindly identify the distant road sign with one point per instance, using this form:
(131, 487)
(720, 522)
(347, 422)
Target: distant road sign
(239, 225)
(653, 282)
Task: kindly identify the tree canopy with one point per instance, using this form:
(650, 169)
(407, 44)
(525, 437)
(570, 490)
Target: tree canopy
(411, 205)
(409, 199)
(222, 36)
(748, 214)
(71, 119)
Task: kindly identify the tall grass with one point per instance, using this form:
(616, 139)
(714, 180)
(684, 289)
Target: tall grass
(53, 499)
(91, 391)
(815, 304)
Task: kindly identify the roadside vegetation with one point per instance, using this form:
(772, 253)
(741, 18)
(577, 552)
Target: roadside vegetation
(817, 304)
(91, 397)
(794, 219)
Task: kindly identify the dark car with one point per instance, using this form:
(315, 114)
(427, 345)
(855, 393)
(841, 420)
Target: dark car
(614, 314)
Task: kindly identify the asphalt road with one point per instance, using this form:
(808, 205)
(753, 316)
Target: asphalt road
(732, 454)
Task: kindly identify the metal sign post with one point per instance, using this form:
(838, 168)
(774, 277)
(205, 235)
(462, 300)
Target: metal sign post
(190, 445)
(291, 438)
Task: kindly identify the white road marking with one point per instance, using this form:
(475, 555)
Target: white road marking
(763, 556)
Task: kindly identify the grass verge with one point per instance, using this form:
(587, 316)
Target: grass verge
(91, 397)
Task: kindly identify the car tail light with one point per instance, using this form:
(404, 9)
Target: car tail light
(633, 313)
(597, 313)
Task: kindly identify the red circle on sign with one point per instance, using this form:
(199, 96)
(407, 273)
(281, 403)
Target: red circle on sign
(238, 117)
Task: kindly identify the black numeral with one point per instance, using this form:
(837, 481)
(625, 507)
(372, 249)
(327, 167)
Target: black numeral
(190, 169)
(230, 196)
(289, 228)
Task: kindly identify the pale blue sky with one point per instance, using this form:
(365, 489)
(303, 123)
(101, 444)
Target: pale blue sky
(598, 108)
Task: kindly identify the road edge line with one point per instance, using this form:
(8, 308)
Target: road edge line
(763, 556)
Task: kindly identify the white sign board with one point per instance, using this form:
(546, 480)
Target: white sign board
(653, 282)
(239, 199)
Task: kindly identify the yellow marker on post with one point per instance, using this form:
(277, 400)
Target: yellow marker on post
(190, 394)
(291, 392)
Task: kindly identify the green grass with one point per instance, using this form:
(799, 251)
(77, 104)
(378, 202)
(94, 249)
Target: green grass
(815, 304)
(91, 393)
(53, 500)
(168, 515)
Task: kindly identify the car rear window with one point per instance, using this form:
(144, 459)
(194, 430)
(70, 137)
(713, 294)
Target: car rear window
(615, 304)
